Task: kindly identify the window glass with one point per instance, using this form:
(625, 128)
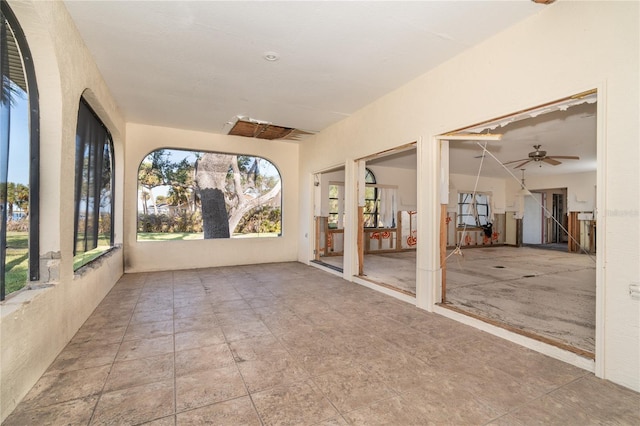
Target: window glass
(184, 195)
(93, 232)
(335, 206)
(473, 211)
(18, 159)
(371, 201)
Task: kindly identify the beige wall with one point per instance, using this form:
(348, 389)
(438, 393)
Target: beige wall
(466, 183)
(404, 179)
(569, 47)
(581, 189)
(165, 255)
(36, 324)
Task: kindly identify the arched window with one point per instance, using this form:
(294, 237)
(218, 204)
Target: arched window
(184, 195)
(93, 230)
(371, 201)
(19, 159)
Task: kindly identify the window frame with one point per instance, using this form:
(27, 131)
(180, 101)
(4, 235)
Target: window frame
(199, 235)
(370, 181)
(338, 214)
(28, 69)
(482, 201)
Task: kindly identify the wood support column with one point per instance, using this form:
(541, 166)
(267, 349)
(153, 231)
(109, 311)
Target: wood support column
(360, 240)
(316, 251)
(443, 250)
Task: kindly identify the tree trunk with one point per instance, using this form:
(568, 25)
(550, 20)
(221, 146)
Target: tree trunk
(155, 203)
(211, 174)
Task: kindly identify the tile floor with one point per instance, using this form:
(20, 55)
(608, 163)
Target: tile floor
(287, 344)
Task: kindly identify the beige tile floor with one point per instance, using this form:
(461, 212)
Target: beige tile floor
(287, 344)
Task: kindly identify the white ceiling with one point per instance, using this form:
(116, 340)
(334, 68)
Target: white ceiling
(199, 64)
(571, 132)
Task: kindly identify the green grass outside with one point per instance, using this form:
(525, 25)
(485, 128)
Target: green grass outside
(182, 236)
(82, 259)
(17, 261)
(169, 236)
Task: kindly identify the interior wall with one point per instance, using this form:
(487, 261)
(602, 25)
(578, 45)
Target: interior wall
(164, 255)
(581, 189)
(511, 72)
(36, 323)
(406, 181)
(465, 183)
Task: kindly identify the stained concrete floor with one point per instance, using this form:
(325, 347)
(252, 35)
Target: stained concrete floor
(546, 292)
(549, 293)
(288, 344)
(397, 270)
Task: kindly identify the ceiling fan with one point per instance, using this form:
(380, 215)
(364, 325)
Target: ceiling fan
(539, 156)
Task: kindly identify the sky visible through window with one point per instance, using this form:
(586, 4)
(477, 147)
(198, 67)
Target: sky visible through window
(19, 138)
(176, 155)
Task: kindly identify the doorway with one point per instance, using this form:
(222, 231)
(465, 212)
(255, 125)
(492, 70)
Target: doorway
(546, 296)
(532, 222)
(387, 236)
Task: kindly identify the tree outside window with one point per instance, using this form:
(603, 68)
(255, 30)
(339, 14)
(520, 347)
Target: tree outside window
(195, 195)
(93, 231)
(19, 158)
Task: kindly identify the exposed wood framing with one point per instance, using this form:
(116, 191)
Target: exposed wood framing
(574, 233)
(316, 251)
(443, 249)
(360, 240)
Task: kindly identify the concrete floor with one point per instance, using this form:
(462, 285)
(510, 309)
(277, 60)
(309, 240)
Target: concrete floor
(549, 293)
(397, 270)
(545, 292)
(290, 344)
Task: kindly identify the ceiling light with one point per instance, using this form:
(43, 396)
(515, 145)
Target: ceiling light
(271, 56)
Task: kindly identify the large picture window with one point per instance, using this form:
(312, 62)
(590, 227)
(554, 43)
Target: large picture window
(185, 195)
(93, 233)
(19, 159)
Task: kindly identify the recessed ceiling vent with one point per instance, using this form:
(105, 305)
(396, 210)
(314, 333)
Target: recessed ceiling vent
(250, 128)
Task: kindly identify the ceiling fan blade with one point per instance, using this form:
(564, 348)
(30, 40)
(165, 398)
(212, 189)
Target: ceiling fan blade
(521, 164)
(565, 157)
(551, 161)
(516, 161)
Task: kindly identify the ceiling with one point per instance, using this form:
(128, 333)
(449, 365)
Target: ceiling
(570, 132)
(560, 132)
(199, 65)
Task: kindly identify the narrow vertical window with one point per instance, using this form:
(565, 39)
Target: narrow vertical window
(19, 162)
(371, 201)
(93, 231)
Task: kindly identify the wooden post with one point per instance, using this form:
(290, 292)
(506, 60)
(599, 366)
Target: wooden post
(360, 240)
(574, 233)
(443, 249)
(316, 254)
(399, 232)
